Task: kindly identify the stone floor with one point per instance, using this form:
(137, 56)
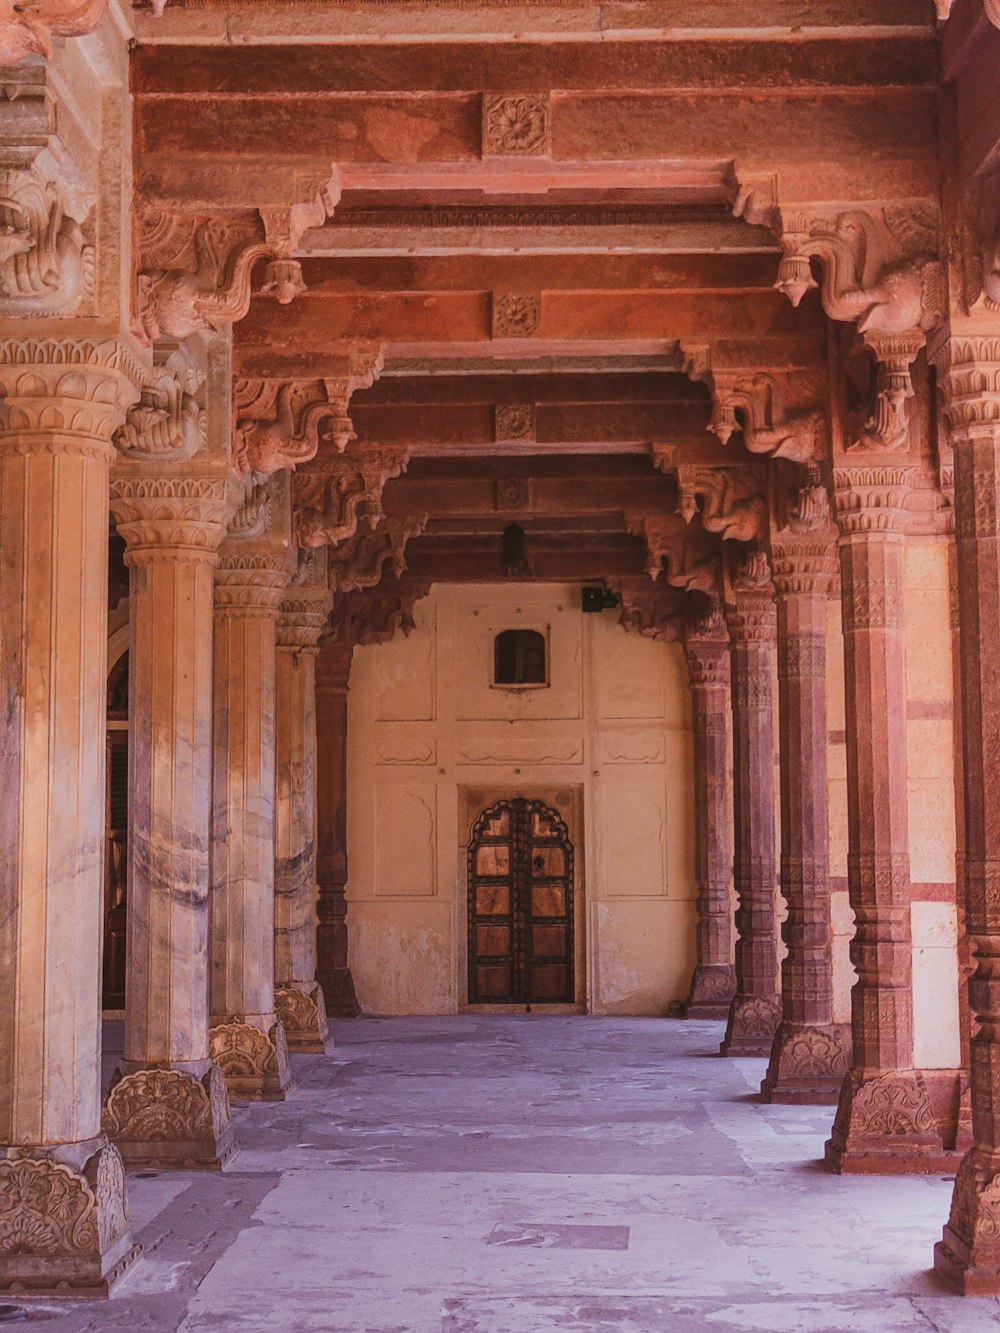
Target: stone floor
(526, 1175)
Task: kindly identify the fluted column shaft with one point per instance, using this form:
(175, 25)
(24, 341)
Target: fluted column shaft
(246, 1038)
(969, 1254)
(754, 1013)
(169, 1105)
(64, 1221)
(809, 1057)
(333, 970)
(713, 984)
(884, 1121)
(299, 997)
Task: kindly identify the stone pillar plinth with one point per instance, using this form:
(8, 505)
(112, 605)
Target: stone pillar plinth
(750, 615)
(333, 670)
(64, 1222)
(713, 984)
(810, 1055)
(884, 1121)
(968, 1256)
(298, 995)
(168, 1106)
(246, 1039)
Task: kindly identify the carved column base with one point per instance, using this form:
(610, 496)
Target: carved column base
(64, 1229)
(712, 990)
(254, 1062)
(968, 1255)
(885, 1126)
(338, 990)
(753, 1021)
(301, 1011)
(170, 1118)
(808, 1064)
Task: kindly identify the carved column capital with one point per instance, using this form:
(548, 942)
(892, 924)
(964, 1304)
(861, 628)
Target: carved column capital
(72, 394)
(873, 499)
(749, 606)
(172, 514)
(971, 384)
(251, 585)
(306, 604)
(708, 662)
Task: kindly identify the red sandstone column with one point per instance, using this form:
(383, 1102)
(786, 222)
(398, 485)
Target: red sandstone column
(809, 1057)
(755, 1010)
(333, 669)
(884, 1120)
(64, 1223)
(713, 984)
(298, 996)
(968, 1256)
(169, 1105)
(246, 1039)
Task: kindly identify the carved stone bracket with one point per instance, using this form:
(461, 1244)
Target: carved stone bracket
(46, 256)
(167, 425)
(280, 423)
(372, 615)
(194, 272)
(653, 610)
(362, 561)
(668, 553)
(880, 268)
(753, 401)
(27, 29)
(330, 501)
(729, 501)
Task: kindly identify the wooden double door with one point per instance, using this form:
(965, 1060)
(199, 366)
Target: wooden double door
(521, 942)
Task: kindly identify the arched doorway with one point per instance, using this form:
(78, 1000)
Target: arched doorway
(521, 942)
(116, 836)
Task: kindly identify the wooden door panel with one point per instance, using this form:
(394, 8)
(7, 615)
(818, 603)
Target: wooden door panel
(520, 906)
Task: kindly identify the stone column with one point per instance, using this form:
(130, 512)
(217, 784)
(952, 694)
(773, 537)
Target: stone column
(298, 995)
(809, 1057)
(333, 670)
(64, 1223)
(884, 1120)
(713, 984)
(968, 1256)
(169, 1105)
(755, 1010)
(246, 1038)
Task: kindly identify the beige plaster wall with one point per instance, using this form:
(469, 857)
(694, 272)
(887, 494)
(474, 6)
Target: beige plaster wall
(431, 743)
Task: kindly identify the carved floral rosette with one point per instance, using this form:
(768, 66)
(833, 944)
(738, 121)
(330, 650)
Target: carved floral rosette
(61, 1228)
(169, 1117)
(301, 1011)
(254, 1064)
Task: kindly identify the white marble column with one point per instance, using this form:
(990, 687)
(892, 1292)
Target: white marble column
(169, 1105)
(298, 995)
(246, 1038)
(64, 1223)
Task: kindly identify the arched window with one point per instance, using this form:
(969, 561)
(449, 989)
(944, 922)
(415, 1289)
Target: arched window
(519, 658)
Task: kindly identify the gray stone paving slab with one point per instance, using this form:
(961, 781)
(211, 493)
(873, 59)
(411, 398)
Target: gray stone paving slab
(483, 1174)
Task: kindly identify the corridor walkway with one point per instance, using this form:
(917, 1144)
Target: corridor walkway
(528, 1174)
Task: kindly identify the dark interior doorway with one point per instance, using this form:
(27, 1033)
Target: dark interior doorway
(520, 906)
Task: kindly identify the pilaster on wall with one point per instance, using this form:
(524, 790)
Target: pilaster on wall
(64, 1220)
